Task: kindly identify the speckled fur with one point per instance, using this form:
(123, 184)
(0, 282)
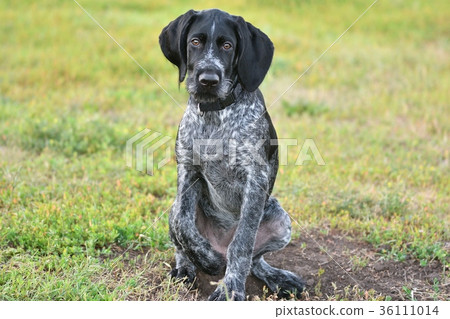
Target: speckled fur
(223, 215)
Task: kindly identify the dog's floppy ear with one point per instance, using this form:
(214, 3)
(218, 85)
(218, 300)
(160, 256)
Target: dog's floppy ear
(173, 41)
(255, 52)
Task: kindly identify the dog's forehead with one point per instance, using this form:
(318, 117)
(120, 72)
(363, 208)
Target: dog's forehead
(213, 23)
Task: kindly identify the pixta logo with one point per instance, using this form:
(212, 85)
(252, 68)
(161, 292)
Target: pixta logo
(142, 149)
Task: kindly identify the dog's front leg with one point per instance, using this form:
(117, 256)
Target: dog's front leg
(240, 250)
(183, 230)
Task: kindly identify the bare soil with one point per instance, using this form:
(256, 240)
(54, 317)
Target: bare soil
(337, 267)
(334, 266)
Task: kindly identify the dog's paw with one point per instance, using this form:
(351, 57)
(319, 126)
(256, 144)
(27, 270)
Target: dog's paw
(228, 290)
(184, 274)
(289, 284)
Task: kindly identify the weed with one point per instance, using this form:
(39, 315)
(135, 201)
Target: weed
(358, 262)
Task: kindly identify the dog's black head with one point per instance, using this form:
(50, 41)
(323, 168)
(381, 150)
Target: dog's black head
(216, 49)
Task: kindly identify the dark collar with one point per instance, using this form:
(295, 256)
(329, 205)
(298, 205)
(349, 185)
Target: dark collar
(220, 104)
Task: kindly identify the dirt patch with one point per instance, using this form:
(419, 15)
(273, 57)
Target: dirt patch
(337, 267)
(334, 266)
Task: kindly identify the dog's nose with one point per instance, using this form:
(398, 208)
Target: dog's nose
(208, 79)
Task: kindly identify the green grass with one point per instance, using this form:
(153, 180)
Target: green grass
(375, 105)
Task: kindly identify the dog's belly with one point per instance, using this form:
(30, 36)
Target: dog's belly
(218, 211)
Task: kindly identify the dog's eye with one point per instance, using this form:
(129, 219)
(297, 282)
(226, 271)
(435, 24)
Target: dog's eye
(227, 46)
(195, 42)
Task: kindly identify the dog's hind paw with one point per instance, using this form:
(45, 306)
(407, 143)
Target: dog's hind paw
(184, 274)
(289, 284)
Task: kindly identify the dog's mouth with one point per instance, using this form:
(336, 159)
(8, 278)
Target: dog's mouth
(208, 94)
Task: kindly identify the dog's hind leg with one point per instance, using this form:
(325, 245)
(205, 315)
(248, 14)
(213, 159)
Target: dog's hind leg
(191, 245)
(185, 269)
(273, 234)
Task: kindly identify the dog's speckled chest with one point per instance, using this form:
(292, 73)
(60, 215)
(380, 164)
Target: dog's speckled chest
(229, 130)
(238, 123)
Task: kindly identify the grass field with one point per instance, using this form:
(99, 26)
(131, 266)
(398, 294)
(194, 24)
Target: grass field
(77, 224)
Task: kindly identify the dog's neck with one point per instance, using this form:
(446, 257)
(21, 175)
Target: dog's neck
(221, 103)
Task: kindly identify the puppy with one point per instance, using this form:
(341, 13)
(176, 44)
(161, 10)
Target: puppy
(227, 160)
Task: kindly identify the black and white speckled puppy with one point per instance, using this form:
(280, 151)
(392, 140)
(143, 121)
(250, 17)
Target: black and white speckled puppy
(224, 216)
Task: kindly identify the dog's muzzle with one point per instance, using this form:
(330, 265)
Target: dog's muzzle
(209, 78)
